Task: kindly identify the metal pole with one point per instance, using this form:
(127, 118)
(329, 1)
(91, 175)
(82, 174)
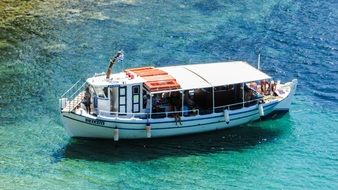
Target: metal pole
(150, 104)
(213, 99)
(182, 107)
(243, 93)
(259, 62)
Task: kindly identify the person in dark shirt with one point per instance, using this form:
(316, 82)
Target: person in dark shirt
(175, 104)
(87, 102)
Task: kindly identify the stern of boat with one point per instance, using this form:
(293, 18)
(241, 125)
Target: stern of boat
(68, 103)
(65, 120)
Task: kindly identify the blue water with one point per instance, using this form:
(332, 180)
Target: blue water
(54, 44)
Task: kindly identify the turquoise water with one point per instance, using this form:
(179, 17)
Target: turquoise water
(53, 45)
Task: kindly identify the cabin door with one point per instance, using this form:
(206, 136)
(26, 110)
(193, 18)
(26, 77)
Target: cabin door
(122, 99)
(113, 92)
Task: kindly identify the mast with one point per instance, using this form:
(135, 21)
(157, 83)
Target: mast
(259, 62)
(118, 57)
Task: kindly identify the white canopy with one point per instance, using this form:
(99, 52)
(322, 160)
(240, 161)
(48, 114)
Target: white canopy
(195, 76)
(186, 78)
(214, 74)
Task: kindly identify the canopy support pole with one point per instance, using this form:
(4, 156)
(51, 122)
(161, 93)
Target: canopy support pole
(243, 93)
(150, 105)
(182, 106)
(213, 99)
(259, 62)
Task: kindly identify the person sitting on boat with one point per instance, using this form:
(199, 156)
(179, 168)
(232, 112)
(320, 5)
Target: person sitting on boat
(188, 102)
(273, 88)
(87, 97)
(253, 85)
(175, 104)
(248, 95)
(265, 86)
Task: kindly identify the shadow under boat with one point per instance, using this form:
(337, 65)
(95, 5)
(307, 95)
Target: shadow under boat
(275, 115)
(227, 140)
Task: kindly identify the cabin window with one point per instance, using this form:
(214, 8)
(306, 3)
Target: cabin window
(189, 105)
(250, 96)
(123, 91)
(145, 97)
(114, 99)
(203, 100)
(198, 100)
(159, 105)
(228, 96)
(122, 99)
(223, 97)
(166, 102)
(236, 94)
(136, 89)
(105, 91)
(136, 99)
(101, 92)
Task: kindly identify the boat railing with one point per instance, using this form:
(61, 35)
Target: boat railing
(110, 114)
(184, 113)
(73, 96)
(74, 89)
(238, 105)
(144, 115)
(171, 114)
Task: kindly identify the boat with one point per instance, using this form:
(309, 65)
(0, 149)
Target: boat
(153, 102)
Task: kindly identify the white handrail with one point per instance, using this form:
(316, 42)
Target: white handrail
(70, 88)
(104, 113)
(148, 115)
(239, 103)
(177, 112)
(77, 90)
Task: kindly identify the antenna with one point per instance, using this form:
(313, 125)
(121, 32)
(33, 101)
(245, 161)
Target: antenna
(259, 62)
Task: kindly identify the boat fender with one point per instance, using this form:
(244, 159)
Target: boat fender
(148, 130)
(226, 116)
(261, 110)
(116, 134)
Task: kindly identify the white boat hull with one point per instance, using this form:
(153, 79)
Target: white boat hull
(82, 126)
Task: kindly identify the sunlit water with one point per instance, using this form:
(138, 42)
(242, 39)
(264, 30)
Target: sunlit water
(54, 44)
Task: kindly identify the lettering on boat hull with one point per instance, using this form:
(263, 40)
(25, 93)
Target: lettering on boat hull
(93, 121)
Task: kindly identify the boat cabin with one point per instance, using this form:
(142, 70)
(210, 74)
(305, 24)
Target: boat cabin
(186, 90)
